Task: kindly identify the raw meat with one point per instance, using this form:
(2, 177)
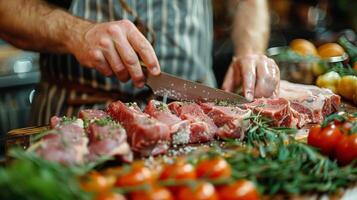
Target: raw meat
(108, 138)
(179, 129)
(229, 119)
(310, 100)
(66, 143)
(91, 114)
(278, 110)
(202, 127)
(146, 135)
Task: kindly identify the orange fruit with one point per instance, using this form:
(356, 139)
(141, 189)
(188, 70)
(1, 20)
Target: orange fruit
(330, 50)
(303, 47)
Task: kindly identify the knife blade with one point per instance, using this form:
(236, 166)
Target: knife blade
(167, 85)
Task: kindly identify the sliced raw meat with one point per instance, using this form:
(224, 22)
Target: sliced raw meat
(202, 127)
(91, 114)
(310, 100)
(57, 121)
(66, 144)
(146, 135)
(278, 110)
(108, 139)
(229, 119)
(179, 129)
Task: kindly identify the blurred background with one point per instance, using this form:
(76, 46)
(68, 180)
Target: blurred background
(319, 21)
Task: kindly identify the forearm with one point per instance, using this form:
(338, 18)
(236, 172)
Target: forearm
(36, 25)
(251, 27)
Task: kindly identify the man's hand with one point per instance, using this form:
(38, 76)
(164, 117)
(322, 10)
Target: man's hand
(113, 48)
(258, 74)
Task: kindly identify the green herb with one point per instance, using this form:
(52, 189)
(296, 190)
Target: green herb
(68, 120)
(30, 177)
(291, 56)
(105, 121)
(343, 70)
(334, 117)
(294, 168)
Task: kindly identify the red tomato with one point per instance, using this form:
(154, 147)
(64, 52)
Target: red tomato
(312, 138)
(239, 190)
(346, 150)
(138, 175)
(325, 139)
(201, 191)
(95, 182)
(180, 170)
(156, 193)
(216, 168)
(110, 196)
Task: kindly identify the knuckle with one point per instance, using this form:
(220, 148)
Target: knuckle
(113, 29)
(151, 63)
(137, 77)
(119, 70)
(130, 60)
(105, 43)
(97, 58)
(126, 23)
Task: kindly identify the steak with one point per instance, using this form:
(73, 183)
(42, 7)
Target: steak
(202, 127)
(65, 144)
(229, 119)
(108, 138)
(92, 114)
(146, 135)
(278, 110)
(309, 100)
(179, 129)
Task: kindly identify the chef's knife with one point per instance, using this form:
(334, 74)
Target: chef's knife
(170, 86)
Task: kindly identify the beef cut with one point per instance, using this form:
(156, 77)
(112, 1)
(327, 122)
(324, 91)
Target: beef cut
(313, 102)
(92, 114)
(229, 119)
(202, 127)
(277, 110)
(108, 138)
(180, 129)
(146, 135)
(65, 144)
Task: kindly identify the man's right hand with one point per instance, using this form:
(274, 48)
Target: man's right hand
(113, 48)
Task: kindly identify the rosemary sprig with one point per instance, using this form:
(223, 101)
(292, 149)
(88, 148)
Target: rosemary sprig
(30, 177)
(294, 168)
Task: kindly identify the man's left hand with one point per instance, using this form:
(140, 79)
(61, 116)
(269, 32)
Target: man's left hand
(258, 74)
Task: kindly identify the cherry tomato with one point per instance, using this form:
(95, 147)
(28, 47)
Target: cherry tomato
(216, 168)
(138, 175)
(239, 190)
(325, 139)
(346, 150)
(201, 191)
(95, 182)
(312, 138)
(110, 196)
(155, 193)
(180, 170)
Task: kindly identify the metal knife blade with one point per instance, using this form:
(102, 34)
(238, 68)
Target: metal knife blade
(185, 90)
